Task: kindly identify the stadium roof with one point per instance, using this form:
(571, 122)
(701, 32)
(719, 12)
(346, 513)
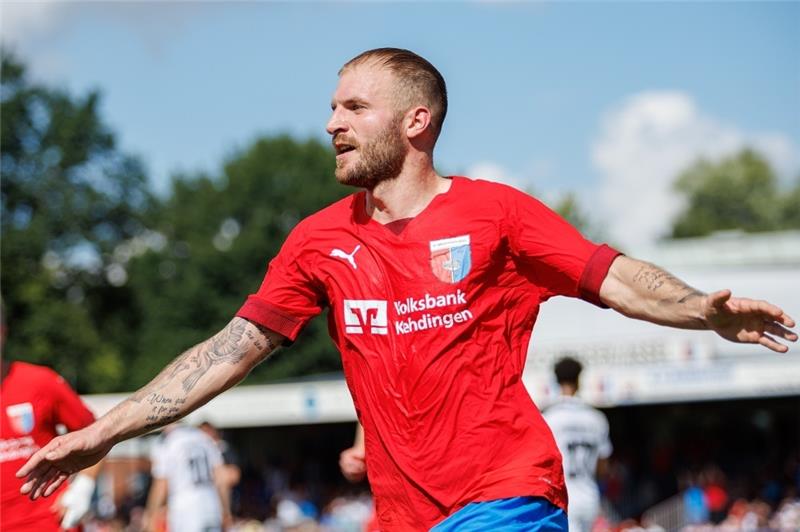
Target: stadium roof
(727, 249)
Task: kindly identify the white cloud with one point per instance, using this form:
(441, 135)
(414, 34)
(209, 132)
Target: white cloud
(37, 29)
(31, 29)
(492, 171)
(538, 171)
(23, 21)
(645, 142)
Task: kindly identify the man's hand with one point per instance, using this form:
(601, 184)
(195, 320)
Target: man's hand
(748, 320)
(353, 464)
(51, 465)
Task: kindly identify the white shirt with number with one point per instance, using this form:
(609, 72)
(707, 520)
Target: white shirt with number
(186, 459)
(581, 434)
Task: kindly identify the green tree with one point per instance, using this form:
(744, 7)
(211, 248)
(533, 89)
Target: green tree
(219, 234)
(739, 192)
(69, 198)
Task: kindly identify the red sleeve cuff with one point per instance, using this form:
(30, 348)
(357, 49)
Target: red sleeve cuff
(267, 315)
(595, 272)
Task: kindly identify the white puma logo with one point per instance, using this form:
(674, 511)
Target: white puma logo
(339, 254)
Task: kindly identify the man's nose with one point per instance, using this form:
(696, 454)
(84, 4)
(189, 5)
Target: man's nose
(336, 124)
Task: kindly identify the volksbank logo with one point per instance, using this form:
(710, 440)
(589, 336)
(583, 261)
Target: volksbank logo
(365, 314)
(413, 314)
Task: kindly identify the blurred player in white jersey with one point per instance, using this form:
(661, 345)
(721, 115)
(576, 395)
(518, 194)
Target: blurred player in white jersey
(187, 473)
(581, 434)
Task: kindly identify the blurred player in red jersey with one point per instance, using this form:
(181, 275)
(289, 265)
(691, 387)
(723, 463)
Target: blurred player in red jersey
(34, 400)
(433, 286)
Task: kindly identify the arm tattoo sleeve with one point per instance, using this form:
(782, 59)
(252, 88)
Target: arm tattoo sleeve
(230, 346)
(227, 346)
(672, 289)
(224, 347)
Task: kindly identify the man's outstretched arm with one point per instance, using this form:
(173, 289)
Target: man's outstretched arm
(644, 291)
(188, 382)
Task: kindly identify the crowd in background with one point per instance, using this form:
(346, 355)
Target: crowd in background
(257, 508)
(273, 499)
(712, 500)
(733, 474)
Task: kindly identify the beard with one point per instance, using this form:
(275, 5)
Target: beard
(379, 160)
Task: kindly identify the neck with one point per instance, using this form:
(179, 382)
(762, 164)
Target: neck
(407, 195)
(568, 389)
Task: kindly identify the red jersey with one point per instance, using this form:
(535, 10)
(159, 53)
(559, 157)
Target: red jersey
(33, 399)
(432, 321)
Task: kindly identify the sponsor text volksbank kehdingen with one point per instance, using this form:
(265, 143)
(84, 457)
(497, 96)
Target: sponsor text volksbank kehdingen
(430, 321)
(370, 315)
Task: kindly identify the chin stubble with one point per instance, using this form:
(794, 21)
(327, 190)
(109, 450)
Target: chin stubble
(380, 160)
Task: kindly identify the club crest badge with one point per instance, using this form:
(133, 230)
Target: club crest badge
(21, 417)
(451, 258)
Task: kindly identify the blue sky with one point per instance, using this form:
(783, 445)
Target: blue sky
(609, 100)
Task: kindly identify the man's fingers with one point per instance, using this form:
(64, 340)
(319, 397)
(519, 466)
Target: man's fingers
(32, 462)
(786, 320)
(34, 477)
(770, 343)
(60, 478)
(753, 306)
(719, 298)
(57, 450)
(42, 483)
(775, 313)
(778, 330)
(770, 311)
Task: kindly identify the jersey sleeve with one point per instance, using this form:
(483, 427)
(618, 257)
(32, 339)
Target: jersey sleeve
(68, 408)
(553, 252)
(289, 296)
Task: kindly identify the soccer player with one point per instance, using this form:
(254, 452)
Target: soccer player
(581, 434)
(188, 476)
(34, 400)
(433, 285)
(230, 473)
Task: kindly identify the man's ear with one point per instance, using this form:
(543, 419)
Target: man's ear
(418, 122)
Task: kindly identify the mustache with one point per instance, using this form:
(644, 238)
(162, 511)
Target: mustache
(342, 139)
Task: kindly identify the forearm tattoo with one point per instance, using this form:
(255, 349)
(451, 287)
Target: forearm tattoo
(228, 346)
(674, 290)
(225, 347)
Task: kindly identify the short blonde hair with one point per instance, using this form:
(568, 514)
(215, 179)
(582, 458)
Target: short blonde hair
(420, 82)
